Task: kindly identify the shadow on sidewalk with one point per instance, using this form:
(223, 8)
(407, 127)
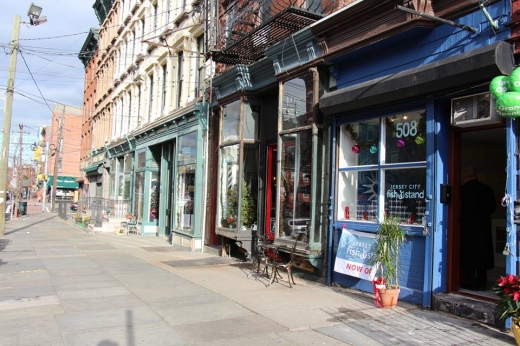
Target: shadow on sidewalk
(32, 224)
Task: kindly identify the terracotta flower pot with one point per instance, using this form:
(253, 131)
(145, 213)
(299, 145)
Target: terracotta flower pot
(516, 331)
(389, 297)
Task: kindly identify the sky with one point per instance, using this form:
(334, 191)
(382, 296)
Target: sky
(48, 70)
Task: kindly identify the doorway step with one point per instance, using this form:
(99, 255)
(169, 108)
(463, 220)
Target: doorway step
(466, 307)
(213, 249)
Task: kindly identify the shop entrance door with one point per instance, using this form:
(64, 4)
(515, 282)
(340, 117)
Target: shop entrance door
(480, 151)
(270, 210)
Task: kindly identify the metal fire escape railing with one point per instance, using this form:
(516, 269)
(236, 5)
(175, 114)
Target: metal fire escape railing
(247, 28)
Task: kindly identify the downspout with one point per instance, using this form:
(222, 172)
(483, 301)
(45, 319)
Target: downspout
(332, 189)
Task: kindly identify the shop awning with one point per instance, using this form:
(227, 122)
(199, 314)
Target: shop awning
(63, 182)
(453, 73)
(89, 169)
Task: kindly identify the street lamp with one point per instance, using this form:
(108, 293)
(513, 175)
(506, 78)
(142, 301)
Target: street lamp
(34, 15)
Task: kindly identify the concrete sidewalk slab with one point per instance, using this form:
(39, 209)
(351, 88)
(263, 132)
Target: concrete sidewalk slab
(62, 285)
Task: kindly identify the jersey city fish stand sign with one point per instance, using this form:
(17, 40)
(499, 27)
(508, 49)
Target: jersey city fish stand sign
(354, 256)
(506, 91)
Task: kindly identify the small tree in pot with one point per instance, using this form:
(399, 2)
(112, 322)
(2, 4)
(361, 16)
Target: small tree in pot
(390, 238)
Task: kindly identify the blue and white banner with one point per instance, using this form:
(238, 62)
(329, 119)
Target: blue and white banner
(355, 251)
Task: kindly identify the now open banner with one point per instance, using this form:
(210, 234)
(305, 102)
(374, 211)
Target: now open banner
(355, 251)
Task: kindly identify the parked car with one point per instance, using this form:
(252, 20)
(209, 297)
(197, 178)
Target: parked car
(74, 206)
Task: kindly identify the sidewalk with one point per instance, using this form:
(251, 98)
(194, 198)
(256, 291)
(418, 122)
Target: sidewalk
(61, 285)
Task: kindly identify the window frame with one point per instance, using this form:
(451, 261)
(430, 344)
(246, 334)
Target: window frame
(381, 167)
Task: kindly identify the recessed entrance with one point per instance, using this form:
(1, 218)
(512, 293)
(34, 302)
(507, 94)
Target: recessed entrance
(477, 242)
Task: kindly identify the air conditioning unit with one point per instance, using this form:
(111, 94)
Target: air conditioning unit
(474, 110)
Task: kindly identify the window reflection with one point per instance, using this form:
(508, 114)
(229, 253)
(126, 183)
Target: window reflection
(138, 195)
(154, 196)
(359, 143)
(185, 203)
(231, 121)
(358, 195)
(405, 194)
(406, 137)
(227, 208)
(249, 191)
(361, 192)
(295, 199)
(185, 197)
(297, 106)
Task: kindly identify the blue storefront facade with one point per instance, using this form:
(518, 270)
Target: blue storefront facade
(400, 144)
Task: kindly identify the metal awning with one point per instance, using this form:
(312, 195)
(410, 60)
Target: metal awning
(439, 77)
(64, 182)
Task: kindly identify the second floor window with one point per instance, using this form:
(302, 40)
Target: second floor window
(199, 82)
(150, 97)
(164, 87)
(179, 77)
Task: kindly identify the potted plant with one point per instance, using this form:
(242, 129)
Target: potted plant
(390, 237)
(78, 218)
(508, 305)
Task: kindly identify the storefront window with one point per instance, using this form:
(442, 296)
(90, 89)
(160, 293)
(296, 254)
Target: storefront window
(406, 137)
(154, 196)
(400, 187)
(405, 194)
(359, 143)
(249, 191)
(186, 159)
(251, 122)
(227, 208)
(231, 122)
(139, 196)
(185, 197)
(140, 164)
(296, 175)
(358, 195)
(297, 109)
(120, 170)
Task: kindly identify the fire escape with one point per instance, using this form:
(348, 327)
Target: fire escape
(247, 28)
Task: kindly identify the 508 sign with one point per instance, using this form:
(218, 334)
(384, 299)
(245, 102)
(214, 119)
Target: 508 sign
(406, 129)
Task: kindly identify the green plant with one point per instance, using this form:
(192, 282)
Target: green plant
(390, 238)
(247, 207)
(78, 217)
(508, 291)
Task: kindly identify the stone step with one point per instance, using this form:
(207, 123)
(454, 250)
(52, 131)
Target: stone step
(213, 249)
(467, 307)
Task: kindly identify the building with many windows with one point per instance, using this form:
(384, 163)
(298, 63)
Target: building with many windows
(148, 119)
(322, 119)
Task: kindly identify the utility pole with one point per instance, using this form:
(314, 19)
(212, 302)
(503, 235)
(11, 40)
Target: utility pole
(45, 176)
(34, 14)
(8, 110)
(57, 160)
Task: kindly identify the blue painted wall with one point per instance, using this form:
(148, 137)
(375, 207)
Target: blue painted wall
(420, 46)
(424, 257)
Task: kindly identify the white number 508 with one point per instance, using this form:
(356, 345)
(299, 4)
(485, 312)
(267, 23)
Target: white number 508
(406, 129)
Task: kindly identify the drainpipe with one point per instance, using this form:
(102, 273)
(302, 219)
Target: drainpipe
(331, 226)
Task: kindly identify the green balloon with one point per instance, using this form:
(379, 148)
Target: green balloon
(499, 86)
(508, 105)
(514, 80)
